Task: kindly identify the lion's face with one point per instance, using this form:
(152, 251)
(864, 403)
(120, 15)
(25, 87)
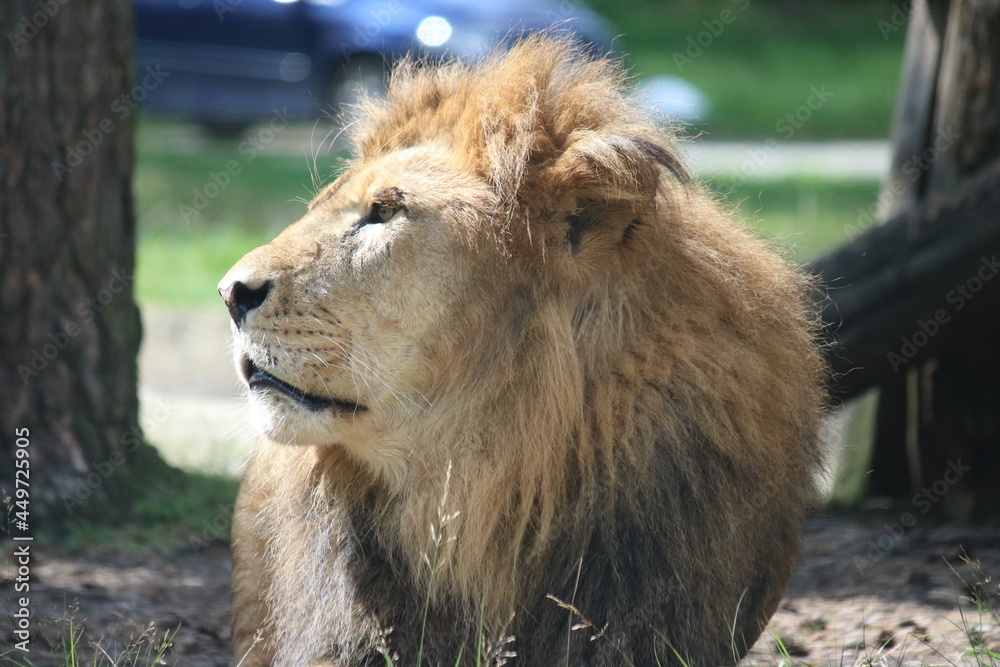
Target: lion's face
(348, 322)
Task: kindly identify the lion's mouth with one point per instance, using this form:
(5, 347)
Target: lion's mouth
(260, 380)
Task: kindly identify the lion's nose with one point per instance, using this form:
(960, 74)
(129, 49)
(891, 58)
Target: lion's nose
(241, 298)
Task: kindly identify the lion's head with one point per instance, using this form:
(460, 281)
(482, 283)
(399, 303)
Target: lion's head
(513, 279)
(481, 239)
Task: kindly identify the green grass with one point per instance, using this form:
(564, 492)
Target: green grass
(76, 648)
(190, 230)
(763, 64)
(807, 216)
(194, 513)
(182, 267)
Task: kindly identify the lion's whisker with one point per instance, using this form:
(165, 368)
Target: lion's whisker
(358, 355)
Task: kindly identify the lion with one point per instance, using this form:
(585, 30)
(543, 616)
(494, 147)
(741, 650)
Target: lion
(527, 393)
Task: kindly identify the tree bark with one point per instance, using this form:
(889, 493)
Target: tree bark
(70, 329)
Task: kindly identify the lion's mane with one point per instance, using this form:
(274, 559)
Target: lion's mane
(629, 454)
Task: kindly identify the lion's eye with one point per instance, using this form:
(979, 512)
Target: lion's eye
(382, 212)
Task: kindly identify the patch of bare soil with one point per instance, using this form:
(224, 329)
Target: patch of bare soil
(875, 592)
(113, 598)
(863, 591)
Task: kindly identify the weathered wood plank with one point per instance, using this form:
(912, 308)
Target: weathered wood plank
(967, 113)
(913, 118)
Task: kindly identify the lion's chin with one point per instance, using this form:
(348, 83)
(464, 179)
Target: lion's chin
(285, 421)
(278, 420)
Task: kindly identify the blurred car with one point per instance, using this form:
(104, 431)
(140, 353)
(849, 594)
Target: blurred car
(229, 63)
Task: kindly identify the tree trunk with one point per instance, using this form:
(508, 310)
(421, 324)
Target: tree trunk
(70, 329)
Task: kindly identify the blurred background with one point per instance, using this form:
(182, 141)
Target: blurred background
(786, 105)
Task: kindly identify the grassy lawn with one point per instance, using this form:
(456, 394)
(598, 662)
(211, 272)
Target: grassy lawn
(807, 216)
(191, 230)
(190, 514)
(765, 62)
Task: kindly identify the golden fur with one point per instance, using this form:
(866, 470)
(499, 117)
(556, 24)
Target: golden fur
(571, 375)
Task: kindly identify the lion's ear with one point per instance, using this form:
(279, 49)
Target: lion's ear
(613, 168)
(609, 180)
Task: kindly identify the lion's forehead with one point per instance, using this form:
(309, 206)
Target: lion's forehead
(426, 176)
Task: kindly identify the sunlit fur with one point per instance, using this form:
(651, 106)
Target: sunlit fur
(579, 378)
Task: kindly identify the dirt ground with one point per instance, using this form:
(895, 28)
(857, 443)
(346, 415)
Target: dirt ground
(861, 592)
(865, 588)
